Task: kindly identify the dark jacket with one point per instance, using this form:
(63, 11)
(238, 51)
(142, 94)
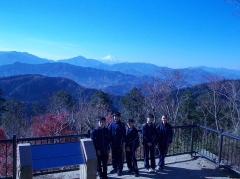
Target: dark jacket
(149, 133)
(164, 134)
(101, 139)
(132, 138)
(117, 133)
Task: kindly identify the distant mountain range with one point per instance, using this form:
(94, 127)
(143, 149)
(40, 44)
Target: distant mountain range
(84, 76)
(23, 57)
(117, 78)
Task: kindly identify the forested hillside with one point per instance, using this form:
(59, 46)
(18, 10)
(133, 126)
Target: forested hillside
(214, 104)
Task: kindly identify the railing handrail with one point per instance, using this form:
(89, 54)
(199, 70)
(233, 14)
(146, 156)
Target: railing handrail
(230, 135)
(208, 128)
(6, 140)
(51, 137)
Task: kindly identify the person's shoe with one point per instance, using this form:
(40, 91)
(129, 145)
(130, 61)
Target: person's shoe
(119, 173)
(100, 174)
(136, 174)
(151, 170)
(130, 170)
(113, 171)
(104, 176)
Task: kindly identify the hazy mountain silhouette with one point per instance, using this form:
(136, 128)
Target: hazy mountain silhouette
(117, 78)
(137, 69)
(84, 76)
(23, 57)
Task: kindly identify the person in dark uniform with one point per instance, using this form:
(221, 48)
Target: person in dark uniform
(149, 134)
(164, 139)
(101, 141)
(118, 134)
(131, 144)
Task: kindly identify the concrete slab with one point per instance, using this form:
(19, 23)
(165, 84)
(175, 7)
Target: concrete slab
(177, 167)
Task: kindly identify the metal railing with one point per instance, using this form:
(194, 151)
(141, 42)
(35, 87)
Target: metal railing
(217, 146)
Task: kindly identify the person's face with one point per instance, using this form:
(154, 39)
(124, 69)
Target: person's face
(164, 119)
(101, 123)
(130, 124)
(116, 118)
(149, 119)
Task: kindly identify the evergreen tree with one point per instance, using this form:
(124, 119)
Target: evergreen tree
(133, 106)
(61, 101)
(100, 98)
(2, 101)
(14, 118)
(99, 103)
(187, 111)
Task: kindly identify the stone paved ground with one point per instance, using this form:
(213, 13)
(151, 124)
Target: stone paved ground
(177, 167)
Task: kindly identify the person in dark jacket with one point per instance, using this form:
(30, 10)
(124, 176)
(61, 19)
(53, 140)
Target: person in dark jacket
(149, 134)
(131, 144)
(101, 141)
(164, 139)
(118, 134)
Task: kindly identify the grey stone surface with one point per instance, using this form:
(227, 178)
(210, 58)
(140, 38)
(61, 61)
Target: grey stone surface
(91, 160)
(177, 167)
(82, 170)
(24, 161)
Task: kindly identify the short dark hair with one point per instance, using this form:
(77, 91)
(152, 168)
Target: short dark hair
(116, 114)
(130, 120)
(101, 119)
(165, 115)
(149, 115)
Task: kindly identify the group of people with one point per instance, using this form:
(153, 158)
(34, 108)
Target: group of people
(118, 137)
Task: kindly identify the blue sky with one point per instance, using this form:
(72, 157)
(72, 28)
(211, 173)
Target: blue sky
(173, 33)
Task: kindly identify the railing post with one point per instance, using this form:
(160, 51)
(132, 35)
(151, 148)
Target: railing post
(89, 132)
(192, 138)
(220, 146)
(14, 156)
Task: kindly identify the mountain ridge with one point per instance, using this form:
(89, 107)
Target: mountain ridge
(84, 76)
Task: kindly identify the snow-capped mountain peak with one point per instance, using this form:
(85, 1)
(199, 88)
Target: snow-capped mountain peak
(110, 59)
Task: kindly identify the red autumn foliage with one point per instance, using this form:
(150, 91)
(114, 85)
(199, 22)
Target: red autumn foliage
(6, 160)
(1, 133)
(50, 125)
(5, 156)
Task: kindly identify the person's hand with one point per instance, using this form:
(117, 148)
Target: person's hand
(149, 144)
(98, 152)
(127, 149)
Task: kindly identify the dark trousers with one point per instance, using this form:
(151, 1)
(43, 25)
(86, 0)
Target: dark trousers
(163, 152)
(102, 159)
(148, 150)
(131, 160)
(117, 158)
